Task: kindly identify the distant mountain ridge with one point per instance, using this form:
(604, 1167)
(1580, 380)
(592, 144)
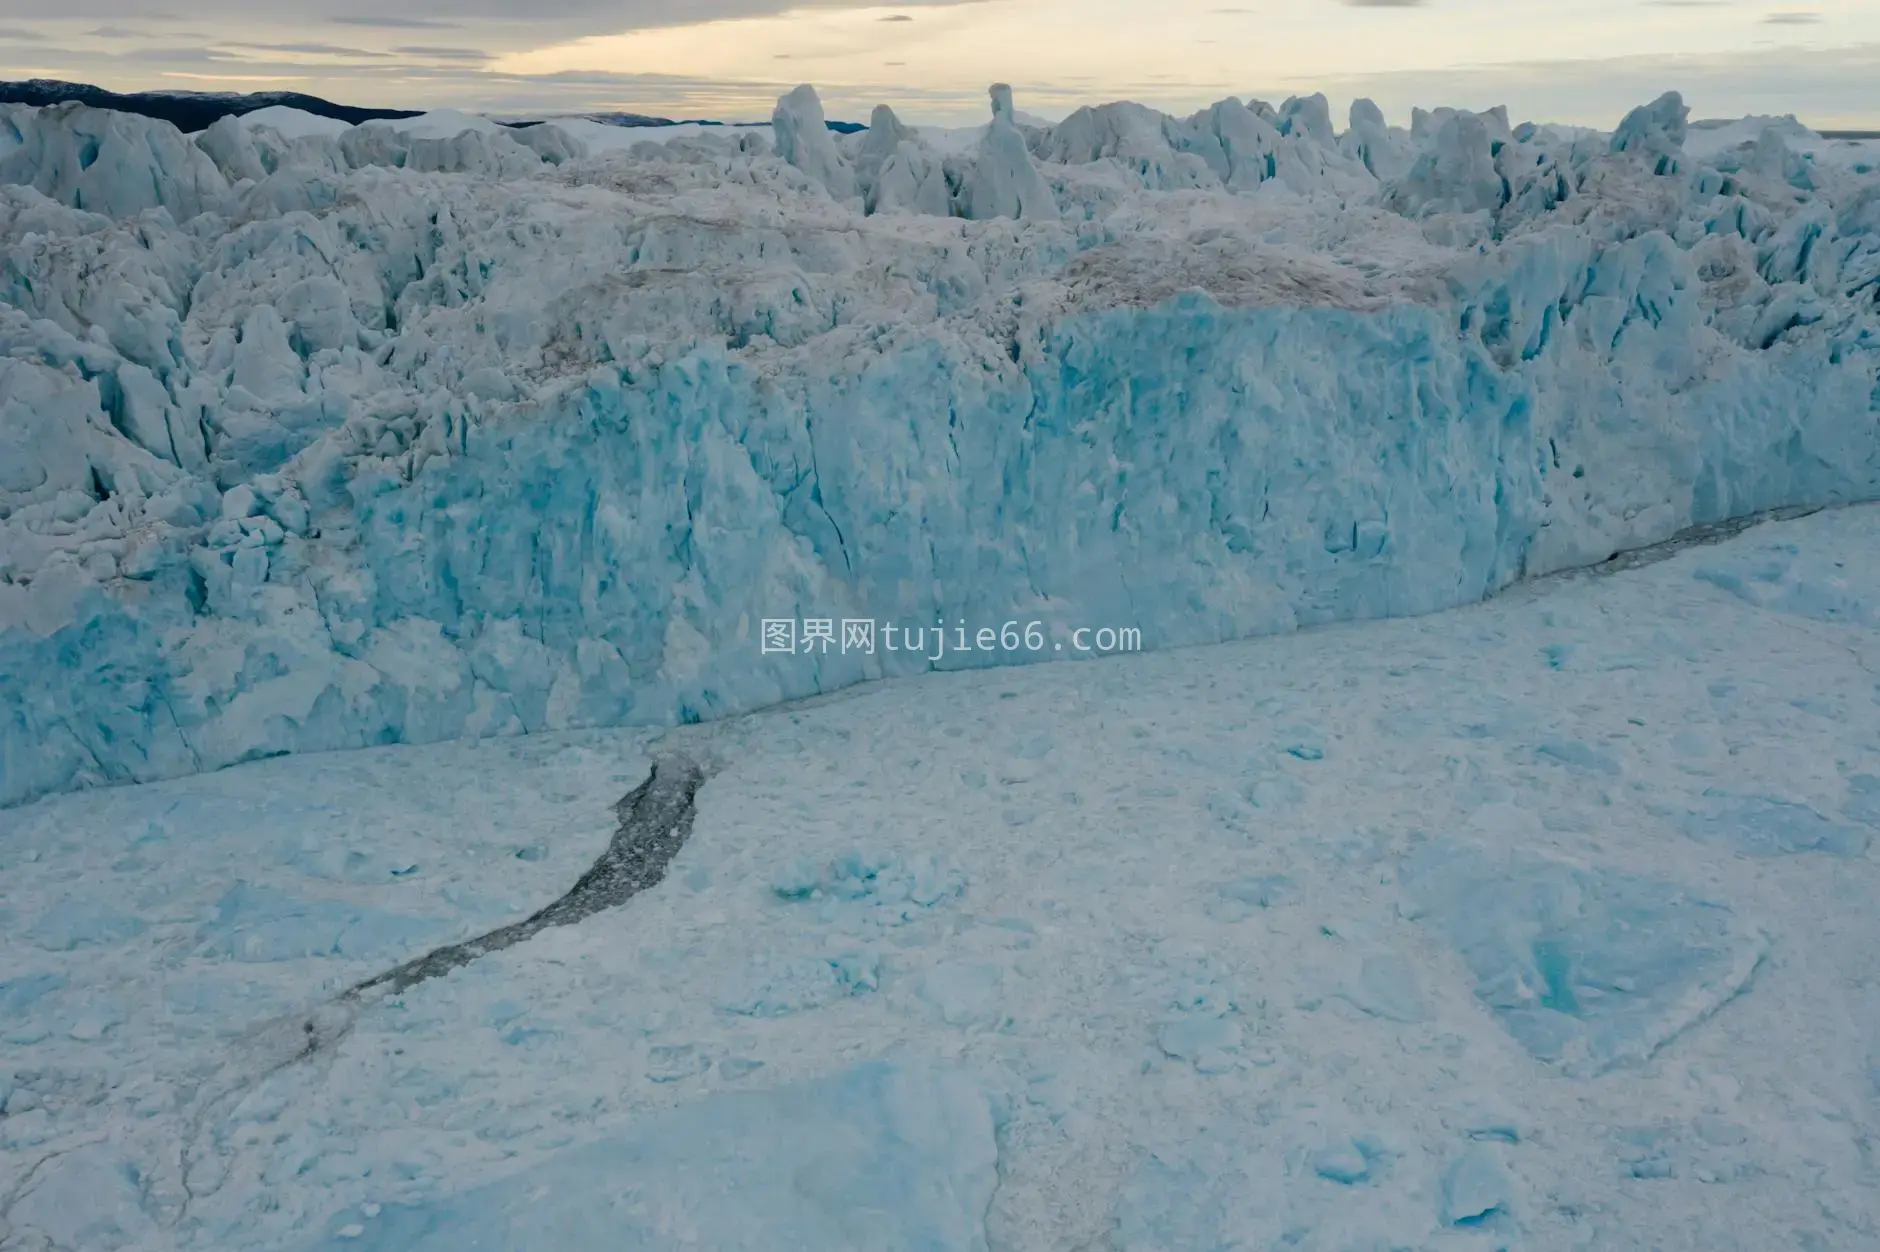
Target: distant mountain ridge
(191, 111)
(186, 110)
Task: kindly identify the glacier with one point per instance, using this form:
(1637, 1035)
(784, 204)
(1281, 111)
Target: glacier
(427, 429)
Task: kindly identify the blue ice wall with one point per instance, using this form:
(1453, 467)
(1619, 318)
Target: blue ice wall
(1195, 472)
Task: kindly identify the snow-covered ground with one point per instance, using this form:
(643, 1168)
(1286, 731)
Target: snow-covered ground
(1545, 923)
(433, 429)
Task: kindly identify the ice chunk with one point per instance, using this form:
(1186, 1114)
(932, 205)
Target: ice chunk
(1004, 181)
(1863, 798)
(294, 123)
(896, 173)
(264, 924)
(91, 1197)
(1457, 175)
(21, 993)
(1226, 1184)
(885, 1157)
(867, 886)
(1209, 1192)
(1387, 986)
(1370, 141)
(107, 162)
(797, 880)
(1162, 153)
(1579, 756)
(1587, 967)
(1210, 1044)
(1657, 129)
(671, 1062)
(231, 145)
(1343, 1162)
(1310, 117)
(778, 986)
(1476, 1187)
(1765, 826)
(1239, 898)
(803, 139)
(79, 922)
(550, 142)
(966, 994)
(1780, 577)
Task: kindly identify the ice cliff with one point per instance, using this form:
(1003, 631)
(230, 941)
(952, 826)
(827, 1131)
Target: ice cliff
(431, 429)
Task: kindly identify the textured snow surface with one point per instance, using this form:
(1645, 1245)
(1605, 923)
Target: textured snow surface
(1407, 934)
(431, 429)
(877, 1156)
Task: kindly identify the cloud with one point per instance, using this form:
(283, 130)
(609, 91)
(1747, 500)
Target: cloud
(308, 44)
(1791, 19)
(19, 34)
(392, 23)
(1822, 87)
(178, 56)
(523, 22)
(1383, 4)
(442, 54)
(309, 49)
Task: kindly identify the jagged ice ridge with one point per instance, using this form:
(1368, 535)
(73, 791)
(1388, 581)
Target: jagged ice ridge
(424, 429)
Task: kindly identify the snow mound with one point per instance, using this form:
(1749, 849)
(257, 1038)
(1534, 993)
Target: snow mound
(883, 1157)
(436, 428)
(293, 123)
(437, 124)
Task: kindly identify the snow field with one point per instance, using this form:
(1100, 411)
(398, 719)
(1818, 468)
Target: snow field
(1543, 923)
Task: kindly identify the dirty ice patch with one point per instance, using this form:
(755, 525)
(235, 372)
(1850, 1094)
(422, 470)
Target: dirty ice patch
(884, 1157)
(1591, 968)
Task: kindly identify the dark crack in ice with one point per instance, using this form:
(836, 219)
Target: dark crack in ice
(655, 821)
(1691, 537)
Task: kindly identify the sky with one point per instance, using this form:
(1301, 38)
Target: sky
(1580, 61)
